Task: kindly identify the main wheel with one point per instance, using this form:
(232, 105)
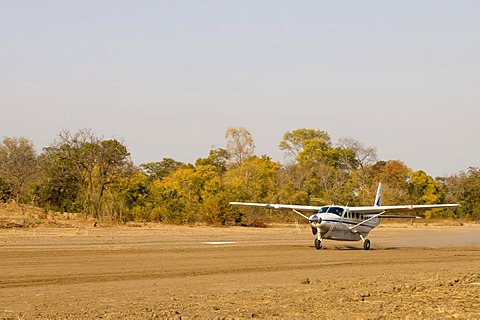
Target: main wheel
(318, 244)
(366, 244)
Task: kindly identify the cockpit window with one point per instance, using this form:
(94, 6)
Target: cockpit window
(335, 210)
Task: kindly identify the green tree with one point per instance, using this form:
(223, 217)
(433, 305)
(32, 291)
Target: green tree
(464, 188)
(5, 191)
(254, 180)
(217, 158)
(214, 207)
(94, 162)
(130, 197)
(59, 186)
(18, 164)
(314, 153)
(159, 170)
(313, 147)
(424, 189)
(294, 142)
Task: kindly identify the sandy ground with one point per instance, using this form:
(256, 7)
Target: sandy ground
(165, 272)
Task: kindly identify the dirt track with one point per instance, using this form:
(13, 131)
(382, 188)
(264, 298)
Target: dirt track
(275, 273)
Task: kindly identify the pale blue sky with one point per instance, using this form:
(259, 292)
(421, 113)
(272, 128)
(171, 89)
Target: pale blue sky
(168, 77)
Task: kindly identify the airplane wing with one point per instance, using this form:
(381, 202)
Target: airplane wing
(398, 209)
(379, 211)
(367, 209)
(276, 206)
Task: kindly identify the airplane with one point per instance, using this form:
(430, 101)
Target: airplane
(347, 223)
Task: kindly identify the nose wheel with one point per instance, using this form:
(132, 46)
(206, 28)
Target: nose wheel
(318, 244)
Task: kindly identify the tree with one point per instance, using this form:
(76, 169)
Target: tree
(329, 184)
(18, 164)
(5, 191)
(311, 147)
(217, 158)
(395, 176)
(360, 160)
(240, 145)
(321, 172)
(363, 155)
(294, 142)
(59, 186)
(315, 153)
(291, 179)
(94, 163)
(191, 195)
(464, 188)
(162, 169)
(424, 189)
(254, 180)
(130, 197)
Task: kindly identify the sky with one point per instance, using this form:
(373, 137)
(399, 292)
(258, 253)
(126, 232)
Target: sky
(169, 77)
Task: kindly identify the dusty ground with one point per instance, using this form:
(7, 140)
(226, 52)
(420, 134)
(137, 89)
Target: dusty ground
(412, 272)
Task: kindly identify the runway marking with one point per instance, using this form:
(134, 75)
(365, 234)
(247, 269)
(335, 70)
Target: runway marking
(218, 242)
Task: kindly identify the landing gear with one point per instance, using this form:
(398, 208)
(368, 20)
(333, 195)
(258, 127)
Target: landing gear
(366, 244)
(318, 240)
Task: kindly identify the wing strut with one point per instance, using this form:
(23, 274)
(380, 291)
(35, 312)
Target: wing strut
(299, 213)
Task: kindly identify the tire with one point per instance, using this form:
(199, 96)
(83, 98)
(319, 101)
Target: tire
(318, 244)
(366, 244)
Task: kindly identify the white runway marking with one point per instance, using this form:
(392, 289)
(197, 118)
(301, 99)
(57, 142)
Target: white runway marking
(219, 242)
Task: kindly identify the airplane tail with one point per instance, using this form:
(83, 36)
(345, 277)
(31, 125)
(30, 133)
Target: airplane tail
(378, 197)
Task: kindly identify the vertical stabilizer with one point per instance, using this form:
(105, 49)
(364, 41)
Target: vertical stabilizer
(378, 198)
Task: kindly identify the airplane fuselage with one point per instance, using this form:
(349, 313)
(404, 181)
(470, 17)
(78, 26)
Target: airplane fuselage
(338, 223)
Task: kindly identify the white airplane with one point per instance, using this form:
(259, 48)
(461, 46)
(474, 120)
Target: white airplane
(347, 223)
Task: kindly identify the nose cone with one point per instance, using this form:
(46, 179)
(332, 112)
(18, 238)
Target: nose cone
(315, 220)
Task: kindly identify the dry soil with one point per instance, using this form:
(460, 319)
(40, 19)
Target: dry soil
(165, 272)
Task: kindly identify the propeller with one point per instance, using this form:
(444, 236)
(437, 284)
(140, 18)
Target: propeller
(315, 218)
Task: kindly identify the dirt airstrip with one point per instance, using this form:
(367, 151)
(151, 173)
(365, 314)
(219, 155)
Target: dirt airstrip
(165, 272)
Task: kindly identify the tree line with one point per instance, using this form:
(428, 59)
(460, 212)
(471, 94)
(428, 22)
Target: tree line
(82, 172)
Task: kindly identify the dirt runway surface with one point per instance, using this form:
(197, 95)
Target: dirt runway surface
(165, 272)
